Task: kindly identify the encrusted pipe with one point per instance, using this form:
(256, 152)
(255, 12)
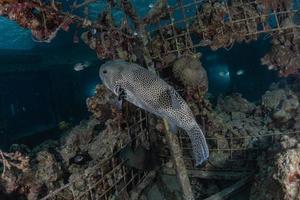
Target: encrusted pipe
(181, 171)
(137, 192)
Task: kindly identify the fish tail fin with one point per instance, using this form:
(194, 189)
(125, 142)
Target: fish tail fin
(199, 145)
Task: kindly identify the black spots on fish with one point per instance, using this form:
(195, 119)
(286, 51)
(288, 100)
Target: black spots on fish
(164, 100)
(128, 86)
(176, 100)
(199, 145)
(170, 99)
(142, 78)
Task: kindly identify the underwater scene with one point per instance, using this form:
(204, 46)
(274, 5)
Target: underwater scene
(149, 100)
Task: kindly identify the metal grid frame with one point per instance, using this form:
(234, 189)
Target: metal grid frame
(182, 38)
(138, 124)
(242, 26)
(242, 158)
(111, 177)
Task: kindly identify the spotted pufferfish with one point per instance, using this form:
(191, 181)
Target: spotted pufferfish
(144, 89)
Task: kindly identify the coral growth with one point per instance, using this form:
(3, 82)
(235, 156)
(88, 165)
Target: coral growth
(282, 104)
(48, 171)
(275, 5)
(100, 105)
(190, 72)
(74, 160)
(159, 10)
(51, 167)
(238, 124)
(215, 29)
(88, 157)
(13, 160)
(280, 178)
(110, 41)
(284, 56)
(163, 44)
(288, 173)
(44, 21)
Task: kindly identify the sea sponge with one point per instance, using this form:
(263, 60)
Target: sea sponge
(287, 173)
(101, 103)
(188, 69)
(281, 103)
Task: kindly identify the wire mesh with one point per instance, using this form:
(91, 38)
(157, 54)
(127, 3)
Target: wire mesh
(219, 24)
(189, 25)
(240, 155)
(111, 177)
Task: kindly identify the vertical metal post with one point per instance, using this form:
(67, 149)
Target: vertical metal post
(181, 171)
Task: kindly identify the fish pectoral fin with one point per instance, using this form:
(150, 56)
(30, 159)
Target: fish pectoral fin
(119, 105)
(174, 99)
(121, 93)
(121, 96)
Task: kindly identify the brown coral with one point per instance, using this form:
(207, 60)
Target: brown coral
(190, 72)
(218, 26)
(110, 41)
(101, 104)
(14, 160)
(275, 5)
(282, 104)
(43, 20)
(288, 173)
(284, 56)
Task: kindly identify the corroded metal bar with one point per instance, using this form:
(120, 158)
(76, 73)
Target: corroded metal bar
(227, 192)
(181, 171)
(136, 192)
(216, 175)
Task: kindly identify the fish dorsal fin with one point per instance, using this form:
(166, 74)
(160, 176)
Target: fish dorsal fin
(174, 97)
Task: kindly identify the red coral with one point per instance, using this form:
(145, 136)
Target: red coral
(295, 177)
(44, 21)
(110, 41)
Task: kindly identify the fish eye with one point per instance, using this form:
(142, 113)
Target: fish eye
(104, 71)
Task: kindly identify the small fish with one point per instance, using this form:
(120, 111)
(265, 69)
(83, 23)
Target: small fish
(240, 72)
(80, 158)
(93, 31)
(147, 91)
(204, 43)
(270, 67)
(151, 5)
(81, 66)
(224, 74)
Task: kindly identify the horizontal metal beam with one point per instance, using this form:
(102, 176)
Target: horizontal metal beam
(218, 175)
(229, 191)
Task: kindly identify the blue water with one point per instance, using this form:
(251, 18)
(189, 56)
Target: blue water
(243, 58)
(14, 37)
(44, 89)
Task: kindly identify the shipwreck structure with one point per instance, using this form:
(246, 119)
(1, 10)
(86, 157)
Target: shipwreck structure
(169, 35)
